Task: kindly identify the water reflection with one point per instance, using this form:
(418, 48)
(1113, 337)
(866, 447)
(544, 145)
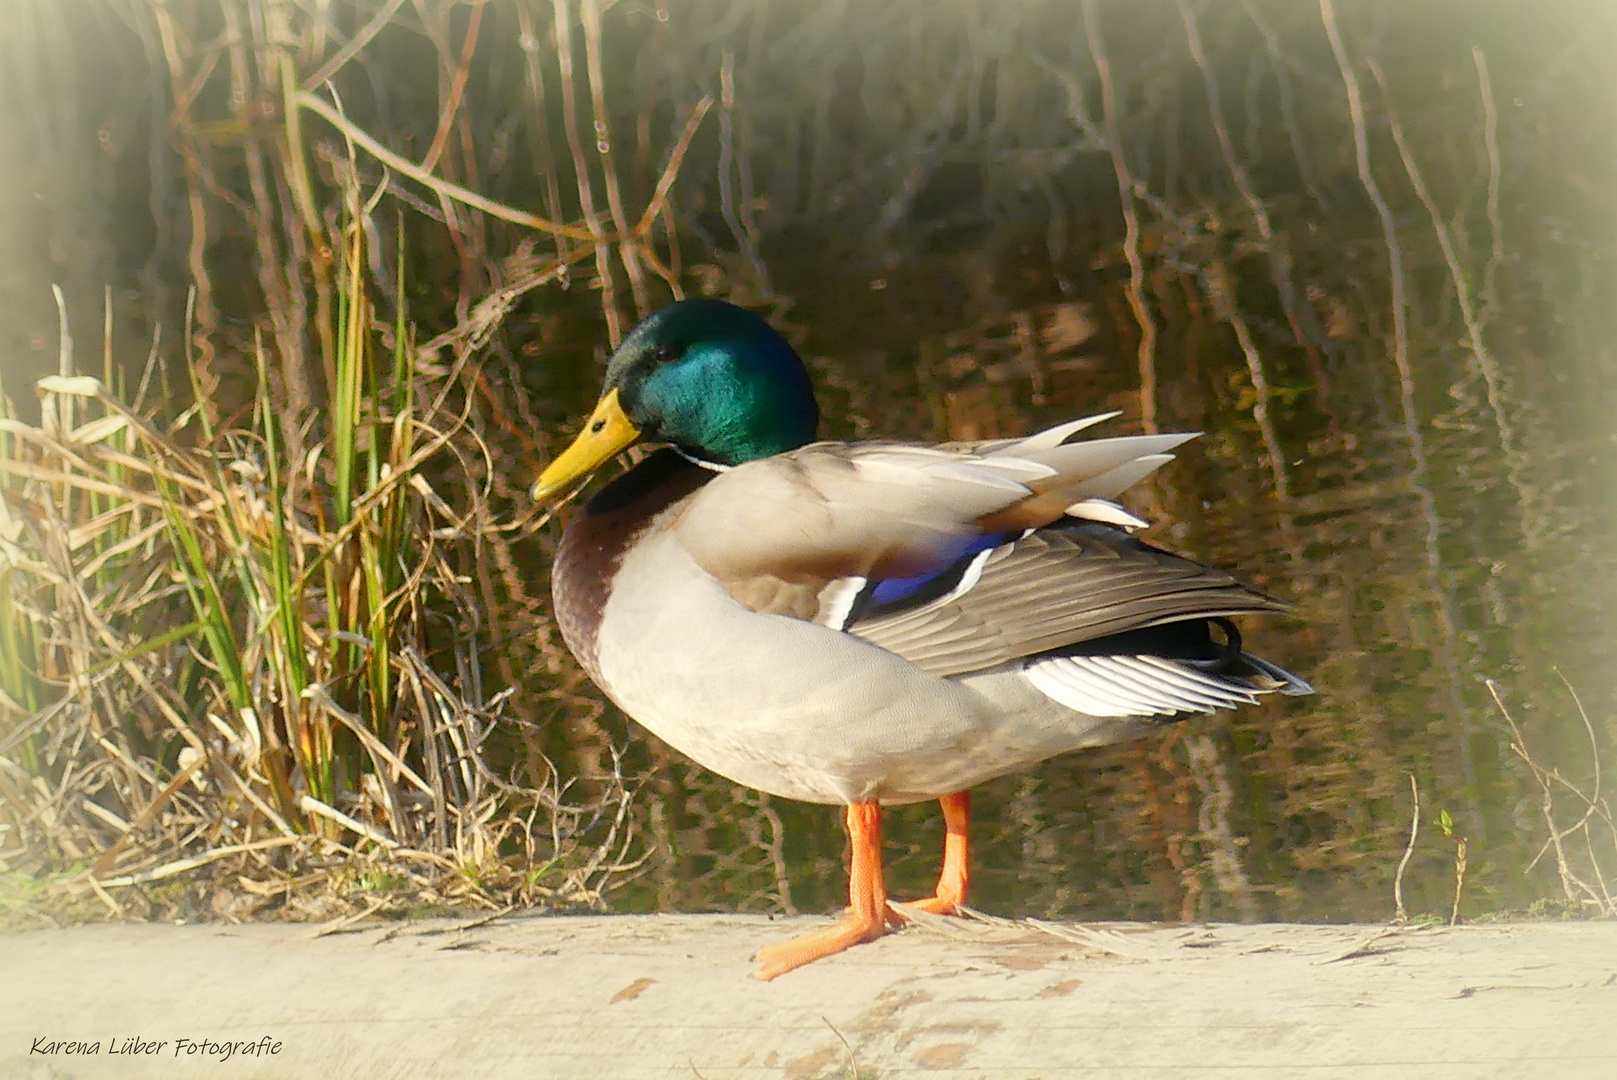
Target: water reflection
(1402, 368)
(1412, 585)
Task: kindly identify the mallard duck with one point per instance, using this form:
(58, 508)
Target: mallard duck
(870, 624)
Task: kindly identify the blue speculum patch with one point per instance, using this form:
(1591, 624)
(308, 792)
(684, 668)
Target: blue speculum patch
(953, 560)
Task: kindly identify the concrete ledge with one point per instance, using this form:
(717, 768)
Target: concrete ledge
(626, 997)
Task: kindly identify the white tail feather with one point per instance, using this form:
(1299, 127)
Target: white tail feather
(1133, 686)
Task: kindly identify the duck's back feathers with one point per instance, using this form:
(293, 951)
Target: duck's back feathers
(830, 510)
(1051, 588)
(956, 558)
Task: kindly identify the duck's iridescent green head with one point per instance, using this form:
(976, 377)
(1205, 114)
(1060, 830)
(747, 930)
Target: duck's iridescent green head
(712, 378)
(716, 381)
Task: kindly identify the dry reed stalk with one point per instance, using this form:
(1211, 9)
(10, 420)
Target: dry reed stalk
(457, 89)
(544, 157)
(590, 16)
(285, 306)
(185, 90)
(659, 207)
(485, 318)
(468, 234)
(443, 188)
(581, 173)
(356, 45)
(163, 825)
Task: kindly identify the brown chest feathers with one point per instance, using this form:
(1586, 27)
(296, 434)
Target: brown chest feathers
(595, 541)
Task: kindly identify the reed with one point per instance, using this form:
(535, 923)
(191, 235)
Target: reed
(238, 655)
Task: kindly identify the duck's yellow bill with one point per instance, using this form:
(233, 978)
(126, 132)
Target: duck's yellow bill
(607, 433)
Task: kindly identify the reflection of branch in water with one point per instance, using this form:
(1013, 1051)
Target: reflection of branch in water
(1492, 376)
(1419, 479)
(738, 218)
(1277, 64)
(1496, 227)
(590, 13)
(1594, 807)
(1210, 773)
(1279, 259)
(543, 158)
(1219, 285)
(1131, 223)
(581, 173)
(1400, 915)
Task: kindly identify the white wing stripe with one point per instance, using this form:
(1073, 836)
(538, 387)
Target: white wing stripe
(1194, 683)
(1197, 678)
(1167, 697)
(1066, 685)
(1107, 512)
(1132, 685)
(837, 600)
(972, 574)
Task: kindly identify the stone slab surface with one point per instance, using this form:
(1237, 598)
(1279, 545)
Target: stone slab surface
(629, 997)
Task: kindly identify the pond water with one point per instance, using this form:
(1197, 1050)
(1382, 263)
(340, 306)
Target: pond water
(1438, 510)
(1414, 582)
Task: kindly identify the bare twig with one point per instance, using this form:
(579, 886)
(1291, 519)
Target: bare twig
(581, 173)
(457, 90)
(355, 45)
(304, 99)
(1575, 888)
(1400, 914)
(1459, 879)
(590, 16)
(853, 1062)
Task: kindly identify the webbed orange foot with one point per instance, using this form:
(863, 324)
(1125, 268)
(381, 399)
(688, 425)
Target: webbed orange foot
(778, 959)
(868, 914)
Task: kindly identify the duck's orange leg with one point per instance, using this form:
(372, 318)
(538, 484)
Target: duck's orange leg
(952, 881)
(868, 915)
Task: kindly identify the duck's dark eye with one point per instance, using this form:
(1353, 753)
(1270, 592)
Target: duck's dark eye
(597, 426)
